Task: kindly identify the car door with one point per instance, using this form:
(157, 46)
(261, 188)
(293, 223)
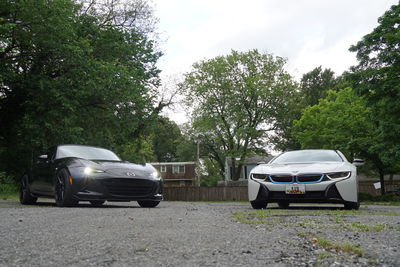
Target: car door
(43, 173)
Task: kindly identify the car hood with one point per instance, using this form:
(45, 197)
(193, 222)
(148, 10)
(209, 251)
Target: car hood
(295, 168)
(120, 168)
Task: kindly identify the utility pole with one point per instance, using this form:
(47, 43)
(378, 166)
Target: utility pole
(198, 164)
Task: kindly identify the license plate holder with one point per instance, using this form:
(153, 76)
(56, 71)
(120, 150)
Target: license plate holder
(295, 189)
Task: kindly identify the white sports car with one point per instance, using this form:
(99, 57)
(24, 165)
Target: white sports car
(305, 176)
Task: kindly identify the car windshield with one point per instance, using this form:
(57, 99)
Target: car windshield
(303, 156)
(86, 152)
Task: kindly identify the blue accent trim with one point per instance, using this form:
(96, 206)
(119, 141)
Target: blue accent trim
(275, 182)
(295, 179)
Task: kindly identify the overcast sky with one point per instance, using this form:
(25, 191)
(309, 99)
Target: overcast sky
(309, 33)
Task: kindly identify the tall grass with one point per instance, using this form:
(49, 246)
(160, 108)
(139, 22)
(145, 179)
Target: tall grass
(7, 185)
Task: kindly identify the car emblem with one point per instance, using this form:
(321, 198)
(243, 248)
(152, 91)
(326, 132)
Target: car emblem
(130, 174)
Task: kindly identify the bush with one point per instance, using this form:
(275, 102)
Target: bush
(389, 197)
(7, 184)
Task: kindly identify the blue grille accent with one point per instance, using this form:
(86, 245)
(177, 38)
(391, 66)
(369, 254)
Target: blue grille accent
(306, 178)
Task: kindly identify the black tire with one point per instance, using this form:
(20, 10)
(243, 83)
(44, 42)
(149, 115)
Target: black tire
(63, 190)
(258, 205)
(352, 206)
(148, 203)
(283, 205)
(97, 203)
(25, 196)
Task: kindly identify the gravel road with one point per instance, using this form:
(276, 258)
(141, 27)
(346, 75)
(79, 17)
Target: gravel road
(195, 234)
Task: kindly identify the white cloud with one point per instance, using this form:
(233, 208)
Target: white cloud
(309, 33)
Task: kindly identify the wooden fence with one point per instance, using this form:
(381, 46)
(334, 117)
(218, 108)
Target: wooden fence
(233, 193)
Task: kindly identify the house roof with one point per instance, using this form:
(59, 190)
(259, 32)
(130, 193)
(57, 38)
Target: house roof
(172, 163)
(255, 159)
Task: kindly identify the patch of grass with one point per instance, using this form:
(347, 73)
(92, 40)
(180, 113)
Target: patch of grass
(323, 255)
(338, 213)
(367, 227)
(387, 203)
(373, 262)
(345, 247)
(9, 196)
(309, 224)
(337, 219)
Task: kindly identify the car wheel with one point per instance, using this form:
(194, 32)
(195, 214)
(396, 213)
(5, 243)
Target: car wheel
(352, 205)
(63, 190)
(259, 204)
(25, 196)
(283, 205)
(97, 203)
(148, 203)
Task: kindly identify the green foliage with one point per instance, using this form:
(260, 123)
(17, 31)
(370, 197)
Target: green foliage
(313, 87)
(235, 100)
(168, 142)
(315, 84)
(70, 76)
(138, 150)
(7, 184)
(210, 176)
(340, 121)
(377, 77)
(382, 198)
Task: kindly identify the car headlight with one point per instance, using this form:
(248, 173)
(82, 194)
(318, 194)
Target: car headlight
(338, 175)
(259, 176)
(156, 175)
(90, 170)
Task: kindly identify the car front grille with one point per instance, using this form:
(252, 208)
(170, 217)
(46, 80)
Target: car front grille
(281, 178)
(129, 187)
(309, 178)
(301, 178)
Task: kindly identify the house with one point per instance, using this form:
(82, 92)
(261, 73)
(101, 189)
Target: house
(248, 165)
(177, 173)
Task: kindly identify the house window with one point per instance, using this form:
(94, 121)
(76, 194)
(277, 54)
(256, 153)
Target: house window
(163, 168)
(178, 169)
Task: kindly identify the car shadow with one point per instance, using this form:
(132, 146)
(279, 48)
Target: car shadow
(80, 205)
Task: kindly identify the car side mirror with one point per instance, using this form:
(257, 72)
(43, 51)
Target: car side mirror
(358, 162)
(260, 162)
(42, 158)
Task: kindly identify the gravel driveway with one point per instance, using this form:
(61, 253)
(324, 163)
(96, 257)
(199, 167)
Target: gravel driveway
(196, 234)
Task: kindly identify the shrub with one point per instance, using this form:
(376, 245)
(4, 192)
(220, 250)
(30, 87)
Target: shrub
(389, 197)
(7, 184)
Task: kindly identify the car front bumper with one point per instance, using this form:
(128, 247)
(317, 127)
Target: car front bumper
(117, 189)
(342, 191)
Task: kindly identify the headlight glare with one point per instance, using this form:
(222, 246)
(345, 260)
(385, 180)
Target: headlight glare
(90, 170)
(156, 175)
(259, 176)
(338, 175)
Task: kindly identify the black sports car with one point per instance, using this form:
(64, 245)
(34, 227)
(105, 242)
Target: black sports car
(73, 173)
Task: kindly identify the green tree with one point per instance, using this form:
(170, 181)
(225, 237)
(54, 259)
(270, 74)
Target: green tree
(315, 84)
(70, 74)
(235, 100)
(166, 137)
(313, 87)
(377, 78)
(341, 121)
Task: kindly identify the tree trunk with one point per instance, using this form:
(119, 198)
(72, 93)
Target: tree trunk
(382, 180)
(237, 172)
(233, 172)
